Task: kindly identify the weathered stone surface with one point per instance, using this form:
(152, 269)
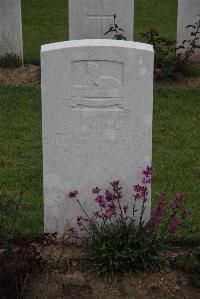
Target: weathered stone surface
(11, 28)
(91, 18)
(188, 14)
(97, 99)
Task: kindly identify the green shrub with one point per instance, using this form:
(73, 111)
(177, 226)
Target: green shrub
(123, 249)
(171, 61)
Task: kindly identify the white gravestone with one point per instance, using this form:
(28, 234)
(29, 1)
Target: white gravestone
(97, 99)
(91, 18)
(11, 28)
(188, 14)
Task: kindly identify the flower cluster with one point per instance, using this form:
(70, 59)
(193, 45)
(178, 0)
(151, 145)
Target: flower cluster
(107, 203)
(157, 216)
(147, 175)
(175, 222)
(170, 211)
(178, 201)
(110, 207)
(141, 190)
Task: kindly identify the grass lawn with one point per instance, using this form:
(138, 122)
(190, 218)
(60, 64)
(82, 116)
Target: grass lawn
(176, 153)
(46, 21)
(21, 152)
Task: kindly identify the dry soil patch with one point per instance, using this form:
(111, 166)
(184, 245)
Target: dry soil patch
(25, 75)
(62, 277)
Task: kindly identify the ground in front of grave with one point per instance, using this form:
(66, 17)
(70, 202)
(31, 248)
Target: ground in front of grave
(62, 277)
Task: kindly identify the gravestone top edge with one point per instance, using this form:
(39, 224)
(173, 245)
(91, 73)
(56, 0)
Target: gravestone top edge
(98, 43)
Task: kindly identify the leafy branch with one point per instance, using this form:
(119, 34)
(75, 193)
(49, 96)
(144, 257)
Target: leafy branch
(116, 30)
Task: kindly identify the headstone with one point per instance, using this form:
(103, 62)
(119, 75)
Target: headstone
(91, 18)
(188, 14)
(97, 99)
(11, 28)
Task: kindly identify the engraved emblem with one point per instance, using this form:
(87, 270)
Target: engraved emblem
(97, 81)
(97, 84)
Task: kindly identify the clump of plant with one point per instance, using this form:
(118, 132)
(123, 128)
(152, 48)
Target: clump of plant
(193, 42)
(170, 60)
(10, 60)
(115, 30)
(18, 257)
(191, 264)
(115, 241)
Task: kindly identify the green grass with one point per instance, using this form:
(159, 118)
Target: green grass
(176, 149)
(20, 150)
(46, 21)
(191, 71)
(158, 14)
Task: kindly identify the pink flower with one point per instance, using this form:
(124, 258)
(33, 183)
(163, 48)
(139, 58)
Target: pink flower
(73, 193)
(146, 181)
(179, 200)
(110, 213)
(147, 173)
(111, 205)
(180, 196)
(160, 205)
(141, 192)
(125, 208)
(117, 193)
(157, 215)
(108, 195)
(137, 188)
(101, 201)
(96, 190)
(174, 224)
